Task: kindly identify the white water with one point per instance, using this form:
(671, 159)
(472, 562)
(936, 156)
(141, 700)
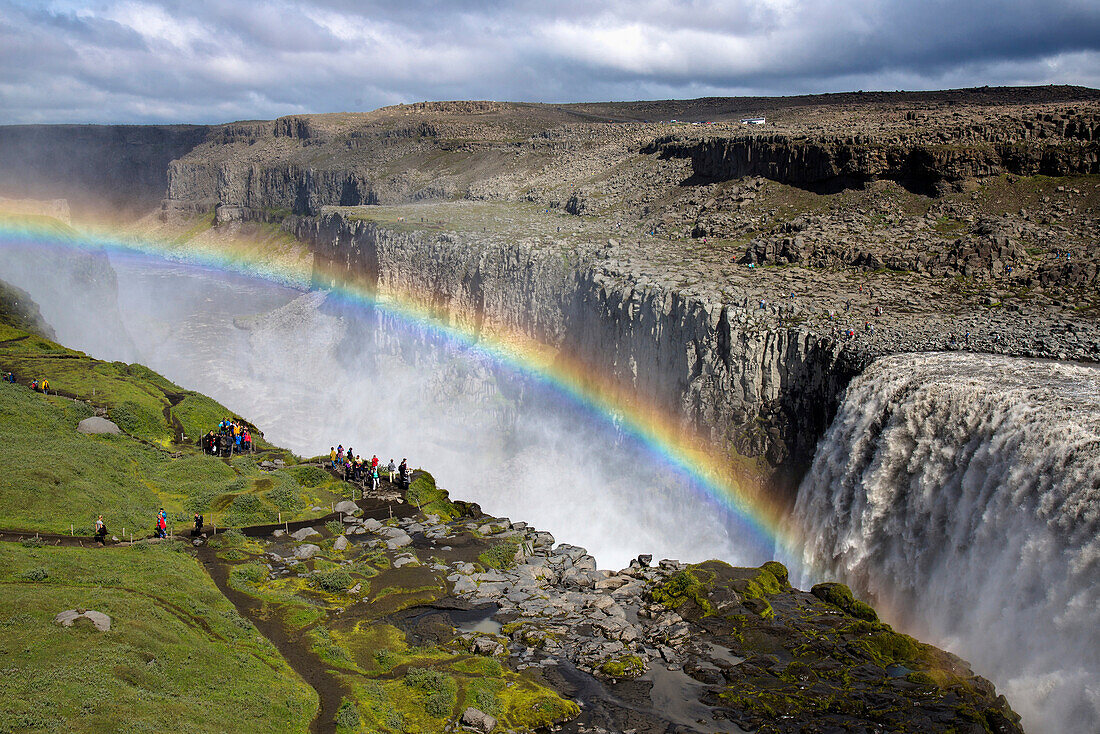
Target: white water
(962, 493)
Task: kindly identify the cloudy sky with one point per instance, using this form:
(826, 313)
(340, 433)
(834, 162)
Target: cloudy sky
(220, 60)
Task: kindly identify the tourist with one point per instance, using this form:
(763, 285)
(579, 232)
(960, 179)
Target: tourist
(162, 524)
(374, 462)
(100, 530)
(198, 525)
(45, 385)
(34, 385)
(340, 454)
(332, 456)
(374, 479)
(392, 469)
(247, 440)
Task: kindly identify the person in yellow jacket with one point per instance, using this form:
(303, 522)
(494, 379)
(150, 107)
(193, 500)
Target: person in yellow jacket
(45, 384)
(332, 456)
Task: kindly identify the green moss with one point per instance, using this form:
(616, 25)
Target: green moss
(625, 666)
(779, 572)
(347, 716)
(252, 573)
(921, 678)
(430, 499)
(683, 587)
(500, 556)
(527, 706)
(438, 690)
(840, 596)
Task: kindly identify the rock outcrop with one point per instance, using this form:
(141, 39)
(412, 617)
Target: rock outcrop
(1060, 147)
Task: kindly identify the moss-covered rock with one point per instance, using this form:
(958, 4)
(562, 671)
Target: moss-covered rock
(623, 667)
(840, 596)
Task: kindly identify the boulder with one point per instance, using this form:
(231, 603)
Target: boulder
(97, 425)
(100, 620)
(478, 720)
(304, 533)
(340, 544)
(308, 550)
(371, 525)
(346, 507)
(398, 541)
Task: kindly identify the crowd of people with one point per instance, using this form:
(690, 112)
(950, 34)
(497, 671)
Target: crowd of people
(355, 469)
(231, 436)
(234, 436)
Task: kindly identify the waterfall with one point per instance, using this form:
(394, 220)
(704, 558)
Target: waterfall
(961, 493)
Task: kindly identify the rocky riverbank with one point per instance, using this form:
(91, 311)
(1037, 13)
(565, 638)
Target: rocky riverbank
(665, 647)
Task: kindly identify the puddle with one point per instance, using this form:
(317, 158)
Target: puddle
(721, 653)
(675, 696)
(477, 620)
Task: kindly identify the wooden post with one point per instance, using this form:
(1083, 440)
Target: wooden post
(71, 531)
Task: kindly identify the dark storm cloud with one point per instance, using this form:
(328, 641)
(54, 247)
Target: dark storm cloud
(200, 61)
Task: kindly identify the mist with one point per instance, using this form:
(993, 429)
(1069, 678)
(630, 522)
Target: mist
(313, 371)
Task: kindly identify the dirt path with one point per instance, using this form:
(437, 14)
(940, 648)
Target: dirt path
(294, 648)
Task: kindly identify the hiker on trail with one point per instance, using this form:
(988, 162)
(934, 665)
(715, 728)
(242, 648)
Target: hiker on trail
(100, 530)
(162, 525)
(350, 454)
(358, 468)
(198, 525)
(392, 469)
(45, 385)
(34, 385)
(247, 440)
(374, 462)
(332, 456)
(340, 454)
(374, 479)
(404, 469)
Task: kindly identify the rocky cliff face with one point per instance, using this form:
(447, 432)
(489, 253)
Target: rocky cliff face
(764, 395)
(1055, 147)
(117, 168)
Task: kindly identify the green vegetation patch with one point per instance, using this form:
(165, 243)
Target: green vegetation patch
(500, 556)
(438, 690)
(177, 656)
(624, 666)
(430, 499)
(840, 596)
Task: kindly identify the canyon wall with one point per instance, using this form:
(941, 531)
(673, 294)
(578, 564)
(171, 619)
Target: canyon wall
(764, 395)
(1058, 147)
(116, 169)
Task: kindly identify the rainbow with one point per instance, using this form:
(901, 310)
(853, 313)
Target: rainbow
(659, 433)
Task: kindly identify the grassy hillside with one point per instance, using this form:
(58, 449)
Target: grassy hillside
(55, 477)
(177, 657)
